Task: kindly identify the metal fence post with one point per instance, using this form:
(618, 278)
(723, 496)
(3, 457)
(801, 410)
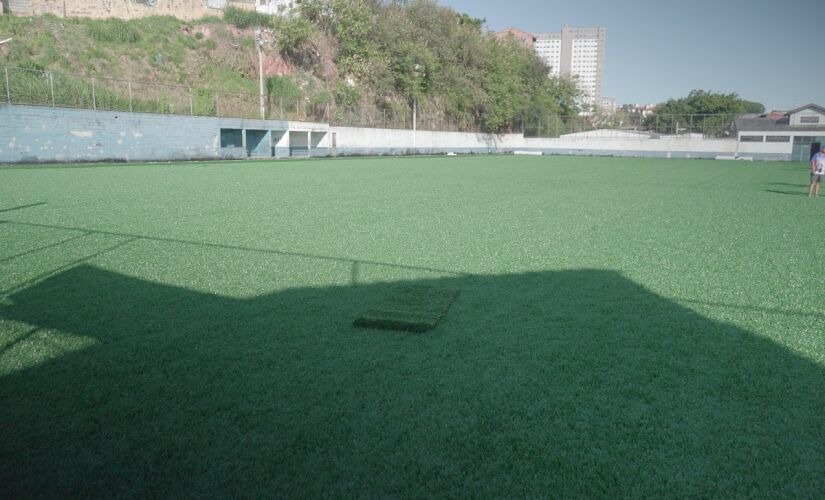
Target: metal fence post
(191, 103)
(51, 86)
(129, 83)
(217, 104)
(8, 87)
(94, 97)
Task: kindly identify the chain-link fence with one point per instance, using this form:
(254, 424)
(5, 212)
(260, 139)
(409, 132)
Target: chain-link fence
(48, 88)
(715, 126)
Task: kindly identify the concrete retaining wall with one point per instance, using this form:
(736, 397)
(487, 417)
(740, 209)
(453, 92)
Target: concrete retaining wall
(32, 134)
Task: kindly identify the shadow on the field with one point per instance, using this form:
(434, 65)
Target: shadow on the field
(21, 207)
(788, 184)
(580, 383)
(793, 193)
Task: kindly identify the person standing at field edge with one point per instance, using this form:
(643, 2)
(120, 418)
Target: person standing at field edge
(817, 172)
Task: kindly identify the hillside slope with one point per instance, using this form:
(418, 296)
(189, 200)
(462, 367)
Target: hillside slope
(342, 61)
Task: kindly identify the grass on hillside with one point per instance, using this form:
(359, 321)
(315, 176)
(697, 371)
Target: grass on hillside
(624, 327)
(158, 48)
(164, 58)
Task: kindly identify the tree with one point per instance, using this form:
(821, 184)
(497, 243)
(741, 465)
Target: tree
(399, 51)
(701, 111)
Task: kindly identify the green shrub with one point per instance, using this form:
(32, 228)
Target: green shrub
(112, 30)
(282, 86)
(345, 95)
(242, 18)
(204, 102)
(292, 34)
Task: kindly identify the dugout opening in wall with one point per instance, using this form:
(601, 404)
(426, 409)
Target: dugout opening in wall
(257, 144)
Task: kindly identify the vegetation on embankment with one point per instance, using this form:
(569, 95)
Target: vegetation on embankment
(338, 55)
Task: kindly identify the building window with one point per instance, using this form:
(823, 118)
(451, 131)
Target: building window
(778, 138)
(752, 138)
(808, 119)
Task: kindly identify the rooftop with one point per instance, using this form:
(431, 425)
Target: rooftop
(778, 121)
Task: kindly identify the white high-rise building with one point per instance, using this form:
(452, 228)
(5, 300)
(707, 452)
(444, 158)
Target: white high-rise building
(548, 47)
(576, 53)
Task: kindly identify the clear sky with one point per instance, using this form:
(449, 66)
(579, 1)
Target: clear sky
(769, 51)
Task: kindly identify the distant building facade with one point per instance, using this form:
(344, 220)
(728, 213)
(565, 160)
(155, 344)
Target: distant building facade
(277, 7)
(608, 105)
(548, 47)
(644, 110)
(576, 53)
(132, 9)
(522, 37)
(799, 132)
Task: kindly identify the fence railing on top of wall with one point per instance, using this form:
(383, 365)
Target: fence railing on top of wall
(49, 88)
(28, 86)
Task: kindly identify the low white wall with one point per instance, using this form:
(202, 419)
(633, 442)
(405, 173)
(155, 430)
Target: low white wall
(665, 147)
(366, 141)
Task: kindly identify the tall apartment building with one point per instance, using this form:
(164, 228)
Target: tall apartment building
(577, 53)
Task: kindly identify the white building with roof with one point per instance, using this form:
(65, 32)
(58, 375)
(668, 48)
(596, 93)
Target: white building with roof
(795, 135)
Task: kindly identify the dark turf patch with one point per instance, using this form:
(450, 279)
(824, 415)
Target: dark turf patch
(414, 309)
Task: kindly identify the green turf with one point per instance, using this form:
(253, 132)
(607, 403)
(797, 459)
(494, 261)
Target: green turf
(625, 327)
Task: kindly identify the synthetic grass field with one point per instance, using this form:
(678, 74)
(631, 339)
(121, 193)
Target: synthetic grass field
(624, 327)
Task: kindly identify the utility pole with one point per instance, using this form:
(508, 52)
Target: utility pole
(418, 73)
(6, 71)
(260, 43)
(414, 123)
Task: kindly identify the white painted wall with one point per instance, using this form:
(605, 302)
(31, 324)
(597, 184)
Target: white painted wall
(352, 140)
(765, 147)
(399, 140)
(796, 118)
